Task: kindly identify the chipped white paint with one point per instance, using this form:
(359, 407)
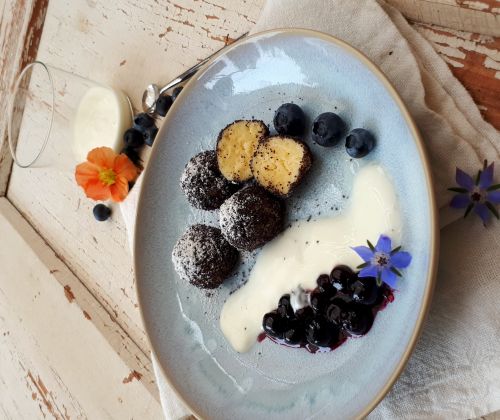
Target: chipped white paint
(454, 44)
(470, 36)
(476, 5)
(471, 15)
(474, 59)
(450, 51)
(54, 362)
(452, 62)
(491, 64)
(20, 24)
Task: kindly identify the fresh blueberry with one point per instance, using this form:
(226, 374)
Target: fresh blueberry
(176, 91)
(335, 310)
(318, 300)
(295, 333)
(359, 143)
(163, 104)
(342, 277)
(304, 315)
(324, 283)
(101, 212)
(365, 290)
(319, 332)
(328, 129)
(150, 135)
(289, 119)
(274, 325)
(146, 125)
(285, 309)
(358, 319)
(143, 121)
(133, 138)
(133, 155)
(284, 301)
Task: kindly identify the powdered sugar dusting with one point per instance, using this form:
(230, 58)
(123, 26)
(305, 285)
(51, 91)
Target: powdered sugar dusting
(203, 257)
(251, 217)
(203, 184)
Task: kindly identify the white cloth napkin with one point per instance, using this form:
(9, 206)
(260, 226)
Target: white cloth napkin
(455, 369)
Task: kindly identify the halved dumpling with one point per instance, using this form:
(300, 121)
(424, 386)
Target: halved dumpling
(236, 146)
(280, 163)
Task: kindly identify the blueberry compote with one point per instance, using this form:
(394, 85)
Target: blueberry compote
(342, 305)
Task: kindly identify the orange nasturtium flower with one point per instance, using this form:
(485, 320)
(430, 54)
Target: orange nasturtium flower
(106, 174)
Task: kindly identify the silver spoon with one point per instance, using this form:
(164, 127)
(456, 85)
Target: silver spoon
(153, 92)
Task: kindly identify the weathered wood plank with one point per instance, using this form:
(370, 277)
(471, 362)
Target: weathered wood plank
(62, 355)
(21, 26)
(475, 60)
(479, 16)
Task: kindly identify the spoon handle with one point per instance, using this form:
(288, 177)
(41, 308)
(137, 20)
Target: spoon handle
(191, 71)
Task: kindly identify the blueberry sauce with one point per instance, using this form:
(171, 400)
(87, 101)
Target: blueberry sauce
(342, 306)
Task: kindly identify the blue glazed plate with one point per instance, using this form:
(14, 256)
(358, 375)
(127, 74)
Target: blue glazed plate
(250, 80)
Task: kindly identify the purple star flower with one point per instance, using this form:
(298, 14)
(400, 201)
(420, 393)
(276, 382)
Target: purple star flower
(382, 262)
(479, 195)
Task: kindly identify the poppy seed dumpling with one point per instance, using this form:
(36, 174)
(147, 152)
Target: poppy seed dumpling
(280, 163)
(203, 257)
(203, 184)
(235, 148)
(251, 217)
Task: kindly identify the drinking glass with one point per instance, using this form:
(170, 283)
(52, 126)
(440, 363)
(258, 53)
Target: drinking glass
(56, 117)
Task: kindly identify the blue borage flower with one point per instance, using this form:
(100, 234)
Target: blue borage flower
(382, 262)
(479, 195)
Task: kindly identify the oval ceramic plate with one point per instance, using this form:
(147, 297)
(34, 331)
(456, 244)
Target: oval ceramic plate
(250, 80)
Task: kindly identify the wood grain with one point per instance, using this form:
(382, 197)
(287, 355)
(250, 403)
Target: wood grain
(475, 60)
(62, 356)
(21, 26)
(477, 16)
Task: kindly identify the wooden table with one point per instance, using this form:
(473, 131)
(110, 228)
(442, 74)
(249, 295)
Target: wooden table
(70, 331)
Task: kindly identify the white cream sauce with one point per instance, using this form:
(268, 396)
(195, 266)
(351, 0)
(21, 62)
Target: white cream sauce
(307, 249)
(101, 119)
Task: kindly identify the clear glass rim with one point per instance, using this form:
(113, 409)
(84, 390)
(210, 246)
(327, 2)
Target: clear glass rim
(11, 115)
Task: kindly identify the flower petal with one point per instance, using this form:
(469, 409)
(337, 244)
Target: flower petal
(493, 197)
(123, 166)
(119, 189)
(86, 172)
(482, 211)
(383, 244)
(102, 156)
(364, 252)
(486, 178)
(389, 278)
(464, 180)
(401, 259)
(370, 271)
(460, 201)
(96, 190)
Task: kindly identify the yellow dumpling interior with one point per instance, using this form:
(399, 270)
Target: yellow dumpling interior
(277, 164)
(236, 148)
